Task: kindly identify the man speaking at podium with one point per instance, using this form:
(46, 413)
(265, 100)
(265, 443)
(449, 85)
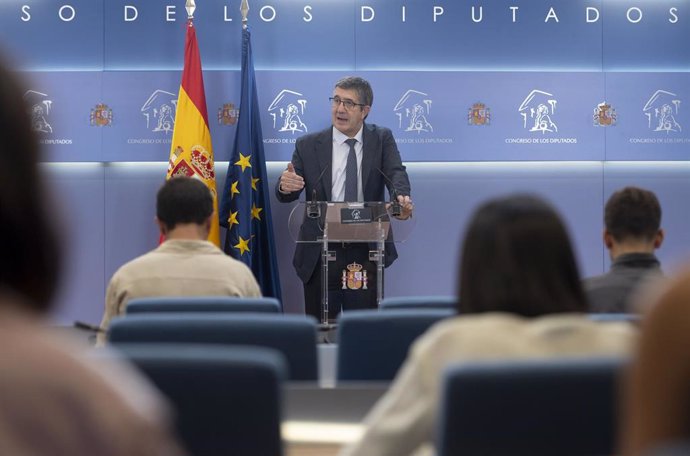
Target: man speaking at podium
(350, 161)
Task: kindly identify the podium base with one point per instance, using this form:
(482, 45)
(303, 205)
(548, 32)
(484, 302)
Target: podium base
(327, 333)
(327, 326)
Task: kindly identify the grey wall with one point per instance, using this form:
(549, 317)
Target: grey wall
(106, 214)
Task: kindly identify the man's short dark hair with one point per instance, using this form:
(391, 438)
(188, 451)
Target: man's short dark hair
(360, 85)
(183, 200)
(632, 213)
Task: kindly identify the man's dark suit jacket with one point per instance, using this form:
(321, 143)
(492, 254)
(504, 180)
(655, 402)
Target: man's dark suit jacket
(313, 157)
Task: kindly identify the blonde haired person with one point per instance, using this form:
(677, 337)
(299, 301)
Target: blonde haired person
(656, 411)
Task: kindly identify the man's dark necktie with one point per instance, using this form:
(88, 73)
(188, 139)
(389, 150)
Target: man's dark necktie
(351, 172)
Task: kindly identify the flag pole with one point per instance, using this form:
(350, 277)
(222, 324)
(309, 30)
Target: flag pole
(190, 6)
(244, 9)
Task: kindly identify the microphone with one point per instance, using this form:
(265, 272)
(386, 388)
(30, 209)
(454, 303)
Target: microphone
(87, 326)
(396, 208)
(313, 206)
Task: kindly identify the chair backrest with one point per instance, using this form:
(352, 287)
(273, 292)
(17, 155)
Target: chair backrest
(202, 304)
(372, 345)
(211, 389)
(671, 448)
(616, 317)
(419, 302)
(536, 408)
(292, 335)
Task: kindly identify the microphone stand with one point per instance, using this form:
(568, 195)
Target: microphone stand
(396, 207)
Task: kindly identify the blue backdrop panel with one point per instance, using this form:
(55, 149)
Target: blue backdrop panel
(222, 102)
(53, 34)
(513, 101)
(130, 196)
(292, 103)
(646, 36)
(139, 35)
(450, 192)
(62, 106)
(77, 201)
(320, 37)
(143, 105)
(531, 36)
(292, 34)
(352, 35)
(429, 113)
(653, 116)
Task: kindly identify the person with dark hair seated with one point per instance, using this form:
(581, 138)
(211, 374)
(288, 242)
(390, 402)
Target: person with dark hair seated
(51, 401)
(520, 297)
(632, 217)
(185, 264)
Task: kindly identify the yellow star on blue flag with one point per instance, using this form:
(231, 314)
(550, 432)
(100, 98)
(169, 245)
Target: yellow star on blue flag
(244, 162)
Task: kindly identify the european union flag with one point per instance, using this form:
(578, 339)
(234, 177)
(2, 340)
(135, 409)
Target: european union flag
(245, 205)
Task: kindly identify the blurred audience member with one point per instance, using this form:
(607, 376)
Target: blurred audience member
(632, 218)
(656, 416)
(520, 296)
(52, 402)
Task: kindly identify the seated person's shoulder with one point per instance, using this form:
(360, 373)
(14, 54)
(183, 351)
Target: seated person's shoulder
(63, 399)
(594, 282)
(471, 332)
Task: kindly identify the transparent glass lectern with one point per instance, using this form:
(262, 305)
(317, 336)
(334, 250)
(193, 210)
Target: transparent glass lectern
(374, 223)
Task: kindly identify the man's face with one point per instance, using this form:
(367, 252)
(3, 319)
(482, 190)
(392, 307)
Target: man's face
(348, 121)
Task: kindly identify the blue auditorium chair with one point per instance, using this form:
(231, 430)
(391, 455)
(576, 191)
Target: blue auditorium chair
(226, 400)
(202, 304)
(419, 302)
(564, 407)
(372, 345)
(292, 335)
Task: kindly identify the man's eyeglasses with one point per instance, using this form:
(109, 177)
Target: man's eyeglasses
(348, 104)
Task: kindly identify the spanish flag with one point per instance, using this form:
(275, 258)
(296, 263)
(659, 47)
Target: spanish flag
(191, 152)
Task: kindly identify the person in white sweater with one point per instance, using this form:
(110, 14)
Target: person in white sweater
(520, 296)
